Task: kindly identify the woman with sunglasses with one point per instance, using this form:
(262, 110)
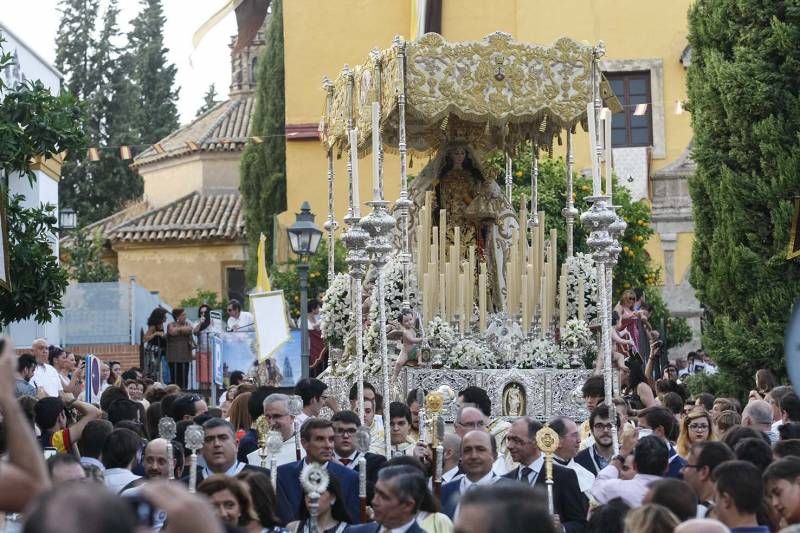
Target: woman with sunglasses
(696, 427)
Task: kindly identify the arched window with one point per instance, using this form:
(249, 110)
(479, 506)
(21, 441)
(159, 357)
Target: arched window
(253, 69)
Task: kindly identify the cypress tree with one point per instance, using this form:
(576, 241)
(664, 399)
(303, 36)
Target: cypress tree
(95, 189)
(152, 75)
(263, 167)
(75, 42)
(209, 100)
(743, 93)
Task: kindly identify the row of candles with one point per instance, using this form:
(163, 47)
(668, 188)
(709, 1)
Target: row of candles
(448, 275)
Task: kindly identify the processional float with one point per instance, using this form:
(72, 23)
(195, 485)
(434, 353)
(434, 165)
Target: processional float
(422, 97)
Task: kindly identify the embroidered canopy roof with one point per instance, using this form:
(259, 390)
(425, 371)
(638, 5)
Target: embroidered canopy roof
(494, 92)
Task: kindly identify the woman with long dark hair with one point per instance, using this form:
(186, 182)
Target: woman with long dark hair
(636, 387)
(264, 500)
(332, 517)
(155, 343)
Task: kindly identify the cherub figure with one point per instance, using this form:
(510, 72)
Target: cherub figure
(410, 342)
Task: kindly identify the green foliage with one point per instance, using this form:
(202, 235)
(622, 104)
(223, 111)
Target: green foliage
(209, 298)
(97, 73)
(33, 122)
(288, 279)
(718, 384)
(263, 167)
(742, 87)
(209, 100)
(38, 281)
(86, 264)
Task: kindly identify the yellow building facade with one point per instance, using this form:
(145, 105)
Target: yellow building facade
(646, 58)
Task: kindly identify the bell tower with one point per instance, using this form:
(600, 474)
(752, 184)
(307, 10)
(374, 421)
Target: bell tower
(244, 64)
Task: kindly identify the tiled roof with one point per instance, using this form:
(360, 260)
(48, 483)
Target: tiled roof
(200, 216)
(105, 226)
(224, 128)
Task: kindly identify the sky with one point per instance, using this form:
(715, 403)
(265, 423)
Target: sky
(36, 23)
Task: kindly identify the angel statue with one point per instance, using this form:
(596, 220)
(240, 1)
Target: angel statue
(474, 202)
(407, 333)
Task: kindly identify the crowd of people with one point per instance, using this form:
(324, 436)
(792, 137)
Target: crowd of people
(684, 464)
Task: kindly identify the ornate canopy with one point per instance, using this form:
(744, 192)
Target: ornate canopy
(493, 93)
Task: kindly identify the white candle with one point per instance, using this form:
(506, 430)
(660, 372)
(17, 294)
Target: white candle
(354, 162)
(591, 119)
(608, 155)
(376, 152)
(482, 298)
(581, 303)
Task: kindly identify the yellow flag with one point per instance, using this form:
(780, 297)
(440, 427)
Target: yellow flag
(262, 281)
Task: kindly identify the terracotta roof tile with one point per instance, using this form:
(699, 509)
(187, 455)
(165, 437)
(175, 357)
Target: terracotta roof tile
(224, 128)
(199, 216)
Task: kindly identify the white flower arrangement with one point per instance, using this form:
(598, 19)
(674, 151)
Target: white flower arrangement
(469, 354)
(576, 335)
(582, 266)
(440, 334)
(540, 353)
(337, 311)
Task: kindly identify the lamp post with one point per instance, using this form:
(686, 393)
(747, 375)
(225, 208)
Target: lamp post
(304, 237)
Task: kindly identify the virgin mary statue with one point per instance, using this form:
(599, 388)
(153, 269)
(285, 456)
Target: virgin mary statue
(475, 203)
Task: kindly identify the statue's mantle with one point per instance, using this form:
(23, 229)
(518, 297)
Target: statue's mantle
(541, 393)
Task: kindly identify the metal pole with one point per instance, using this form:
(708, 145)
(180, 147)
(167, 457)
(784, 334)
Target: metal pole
(569, 212)
(302, 269)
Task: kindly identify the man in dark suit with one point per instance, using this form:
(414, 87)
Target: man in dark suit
(569, 503)
(345, 426)
(316, 437)
(219, 451)
(596, 457)
(478, 454)
(398, 495)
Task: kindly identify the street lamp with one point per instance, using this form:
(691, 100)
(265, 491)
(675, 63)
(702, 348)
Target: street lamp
(304, 237)
(67, 219)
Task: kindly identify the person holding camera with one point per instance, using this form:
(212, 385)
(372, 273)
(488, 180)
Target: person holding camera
(58, 424)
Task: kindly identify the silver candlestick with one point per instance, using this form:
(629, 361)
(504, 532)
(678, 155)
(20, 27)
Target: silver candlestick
(167, 429)
(295, 407)
(194, 441)
(314, 480)
(363, 439)
(274, 445)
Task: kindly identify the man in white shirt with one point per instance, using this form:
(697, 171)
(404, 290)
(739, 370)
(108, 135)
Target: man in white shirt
(758, 415)
(650, 458)
(239, 320)
(276, 410)
(119, 453)
(568, 447)
(45, 375)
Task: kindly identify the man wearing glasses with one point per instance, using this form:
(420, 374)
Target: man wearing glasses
(345, 426)
(276, 410)
(596, 457)
(239, 320)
